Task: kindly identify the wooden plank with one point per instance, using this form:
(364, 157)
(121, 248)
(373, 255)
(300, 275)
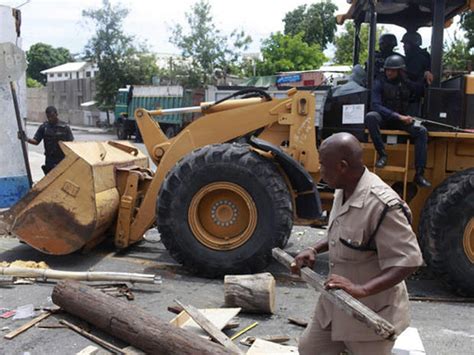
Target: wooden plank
(92, 337)
(89, 350)
(27, 326)
(210, 328)
(248, 341)
(220, 317)
(341, 299)
(260, 347)
(297, 321)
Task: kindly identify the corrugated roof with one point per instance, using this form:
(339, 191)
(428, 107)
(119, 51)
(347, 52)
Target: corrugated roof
(67, 67)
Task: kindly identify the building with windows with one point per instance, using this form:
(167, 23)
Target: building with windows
(71, 89)
(71, 71)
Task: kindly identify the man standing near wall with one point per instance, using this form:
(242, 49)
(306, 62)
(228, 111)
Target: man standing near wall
(52, 132)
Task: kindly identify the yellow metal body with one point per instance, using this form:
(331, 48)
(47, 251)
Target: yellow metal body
(288, 121)
(77, 202)
(448, 152)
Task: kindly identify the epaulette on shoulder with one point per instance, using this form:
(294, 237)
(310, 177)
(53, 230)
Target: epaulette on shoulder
(386, 195)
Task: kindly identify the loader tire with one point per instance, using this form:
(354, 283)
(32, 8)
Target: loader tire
(222, 209)
(447, 232)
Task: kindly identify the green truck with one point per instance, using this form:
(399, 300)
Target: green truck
(150, 98)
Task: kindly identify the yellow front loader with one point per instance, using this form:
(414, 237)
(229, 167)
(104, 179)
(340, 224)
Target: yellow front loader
(226, 190)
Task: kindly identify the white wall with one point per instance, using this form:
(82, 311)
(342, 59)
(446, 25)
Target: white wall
(11, 158)
(13, 179)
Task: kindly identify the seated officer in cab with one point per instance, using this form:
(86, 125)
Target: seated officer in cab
(390, 104)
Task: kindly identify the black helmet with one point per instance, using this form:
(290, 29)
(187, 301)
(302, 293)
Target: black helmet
(394, 62)
(412, 37)
(388, 39)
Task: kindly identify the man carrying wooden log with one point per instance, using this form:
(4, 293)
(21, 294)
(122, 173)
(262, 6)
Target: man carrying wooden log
(372, 249)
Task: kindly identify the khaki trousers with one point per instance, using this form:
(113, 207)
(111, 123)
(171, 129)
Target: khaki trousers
(317, 341)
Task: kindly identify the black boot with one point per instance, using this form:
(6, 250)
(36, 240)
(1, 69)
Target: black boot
(420, 180)
(381, 161)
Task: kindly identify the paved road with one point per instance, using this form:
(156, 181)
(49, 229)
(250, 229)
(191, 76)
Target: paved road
(445, 328)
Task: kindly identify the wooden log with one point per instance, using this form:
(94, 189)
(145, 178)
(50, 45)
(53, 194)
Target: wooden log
(128, 322)
(253, 293)
(341, 299)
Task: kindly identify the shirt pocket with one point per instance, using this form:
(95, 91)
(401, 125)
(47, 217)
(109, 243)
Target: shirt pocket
(348, 240)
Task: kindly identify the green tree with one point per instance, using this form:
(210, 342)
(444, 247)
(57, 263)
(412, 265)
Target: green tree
(288, 53)
(43, 56)
(32, 83)
(344, 44)
(205, 47)
(456, 55)
(316, 21)
(119, 60)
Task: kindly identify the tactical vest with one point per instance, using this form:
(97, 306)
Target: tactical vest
(52, 135)
(396, 96)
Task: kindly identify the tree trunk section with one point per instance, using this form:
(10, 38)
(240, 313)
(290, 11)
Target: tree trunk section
(128, 322)
(254, 293)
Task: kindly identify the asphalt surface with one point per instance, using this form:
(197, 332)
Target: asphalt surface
(445, 328)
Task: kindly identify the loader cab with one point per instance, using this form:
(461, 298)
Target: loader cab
(446, 100)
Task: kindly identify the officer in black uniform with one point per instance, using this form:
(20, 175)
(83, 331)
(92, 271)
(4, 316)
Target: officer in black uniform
(387, 42)
(52, 132)
(417, 59)
(390, 102)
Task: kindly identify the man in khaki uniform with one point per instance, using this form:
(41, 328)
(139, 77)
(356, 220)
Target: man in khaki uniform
(372, 249)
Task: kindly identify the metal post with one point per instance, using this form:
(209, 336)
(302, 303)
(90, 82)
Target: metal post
(437, 41)
(356, 52)
(20, 130)
(372, 40)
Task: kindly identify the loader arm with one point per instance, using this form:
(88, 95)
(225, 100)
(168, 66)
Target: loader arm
(221, 123)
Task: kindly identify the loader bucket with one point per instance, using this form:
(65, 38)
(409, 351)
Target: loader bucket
(77, 201)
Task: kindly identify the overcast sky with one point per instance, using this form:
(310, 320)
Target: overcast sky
(60, 22)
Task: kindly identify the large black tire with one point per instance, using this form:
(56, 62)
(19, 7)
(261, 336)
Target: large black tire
(446, 215)
(233, 164)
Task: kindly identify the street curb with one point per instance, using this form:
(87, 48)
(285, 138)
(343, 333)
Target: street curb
(78, 128)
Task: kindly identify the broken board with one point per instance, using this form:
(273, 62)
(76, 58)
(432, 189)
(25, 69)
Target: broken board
(409, 343)
(217, 316)
(263, 347)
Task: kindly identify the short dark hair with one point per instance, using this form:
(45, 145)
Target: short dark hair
(50, 109)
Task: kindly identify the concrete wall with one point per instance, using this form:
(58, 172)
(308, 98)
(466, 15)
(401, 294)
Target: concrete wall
(68, 95)
(37, 99)
(13, 180)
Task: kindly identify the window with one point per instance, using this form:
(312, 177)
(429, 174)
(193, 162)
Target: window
(51, 75)
(60, 75)
(88, 74)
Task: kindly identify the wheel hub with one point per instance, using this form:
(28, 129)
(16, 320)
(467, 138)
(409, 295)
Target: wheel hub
(222, 215)
(468, 240)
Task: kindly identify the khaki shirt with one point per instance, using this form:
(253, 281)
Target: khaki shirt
(395, 244)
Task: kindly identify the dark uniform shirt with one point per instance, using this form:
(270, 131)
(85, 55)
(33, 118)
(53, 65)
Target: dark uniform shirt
(391, 97)
(52, 134)
(417, 63)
